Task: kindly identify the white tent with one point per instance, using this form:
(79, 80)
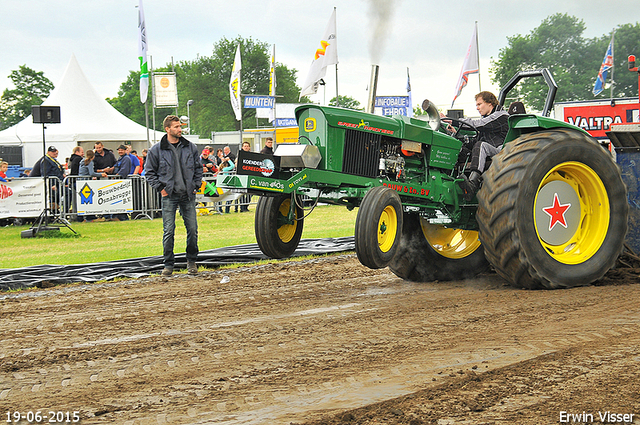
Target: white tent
(84, 116)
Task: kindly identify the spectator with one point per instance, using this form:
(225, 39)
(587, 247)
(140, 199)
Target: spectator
(50, 167)
(123, 166)
(4, 166)
(226, 167)
(228, 154)
(87, 167)
(177, 180)
(135, 161)
(208, 165)
(268, 146)
(244, 200)
(104, 158)
(75, 159)
(219, 157)
(141, 159)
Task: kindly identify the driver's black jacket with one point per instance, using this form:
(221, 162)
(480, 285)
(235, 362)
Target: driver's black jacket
(493, 127)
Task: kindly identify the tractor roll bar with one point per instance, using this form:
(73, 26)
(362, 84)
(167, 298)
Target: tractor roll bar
(548, 78)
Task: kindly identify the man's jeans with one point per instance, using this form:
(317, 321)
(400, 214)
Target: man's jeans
(187, 209)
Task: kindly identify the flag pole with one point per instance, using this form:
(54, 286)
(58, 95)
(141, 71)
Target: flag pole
(336, 12)
(613, 34)
(478, 58)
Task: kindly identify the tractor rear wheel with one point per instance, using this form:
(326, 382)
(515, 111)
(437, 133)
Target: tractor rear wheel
(378, 227)
(431, 252)
(277, 236)
(552, 210)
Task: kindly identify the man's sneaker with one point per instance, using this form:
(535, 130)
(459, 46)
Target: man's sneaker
(192, 268)
(167, 271)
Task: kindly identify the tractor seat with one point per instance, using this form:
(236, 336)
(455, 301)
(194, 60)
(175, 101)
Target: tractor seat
(516, 108)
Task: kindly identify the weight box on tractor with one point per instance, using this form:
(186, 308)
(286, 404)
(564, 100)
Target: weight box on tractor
(551, 211)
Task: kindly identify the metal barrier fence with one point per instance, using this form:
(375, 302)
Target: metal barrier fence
(63, 197)
(147, 202)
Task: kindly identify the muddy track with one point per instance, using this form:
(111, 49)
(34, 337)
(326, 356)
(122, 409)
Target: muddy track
(323, 341)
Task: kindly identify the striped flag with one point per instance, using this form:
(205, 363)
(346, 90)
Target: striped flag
(142, 54)
(470, 65)
(235, 86)
(607, 64)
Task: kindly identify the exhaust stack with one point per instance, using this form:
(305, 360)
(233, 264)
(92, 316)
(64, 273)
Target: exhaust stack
(373, 86)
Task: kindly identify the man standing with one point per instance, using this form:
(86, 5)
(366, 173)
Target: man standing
(74, 160)
(103, 159)
(173, 168)
(268, 146)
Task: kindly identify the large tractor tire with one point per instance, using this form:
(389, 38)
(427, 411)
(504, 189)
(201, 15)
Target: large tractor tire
(378, 227)
(552, 210)
(431, 252)
(277, 236)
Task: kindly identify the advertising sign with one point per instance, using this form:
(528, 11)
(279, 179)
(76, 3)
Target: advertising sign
(286, 122)
(165, 90)
(392, 105)
(259, 101)
(22, 198)
(255, 164)
(104, 196)
(596, 117)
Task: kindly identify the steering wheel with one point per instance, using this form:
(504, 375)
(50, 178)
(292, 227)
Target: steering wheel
(459, 126)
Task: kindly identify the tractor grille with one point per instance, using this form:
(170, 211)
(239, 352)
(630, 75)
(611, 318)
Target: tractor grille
(361, 153)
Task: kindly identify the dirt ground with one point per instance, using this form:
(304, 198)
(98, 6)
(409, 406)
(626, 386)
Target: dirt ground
(323, 341)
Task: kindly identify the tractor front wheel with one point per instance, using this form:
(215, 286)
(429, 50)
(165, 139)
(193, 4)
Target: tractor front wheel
(276, 234)
(378, 227)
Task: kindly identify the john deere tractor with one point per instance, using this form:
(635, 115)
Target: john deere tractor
(551, 212)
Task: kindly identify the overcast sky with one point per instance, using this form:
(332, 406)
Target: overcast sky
(429, 37)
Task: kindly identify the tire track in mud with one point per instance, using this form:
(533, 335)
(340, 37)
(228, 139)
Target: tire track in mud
(282, 343)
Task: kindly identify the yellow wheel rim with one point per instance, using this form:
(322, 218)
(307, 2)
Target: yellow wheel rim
(571, 212)
(387, 228)
(450, 243)
(286, 231)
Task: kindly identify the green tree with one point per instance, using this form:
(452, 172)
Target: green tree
(205, 80)
(346, 102)
(32, 88)
(574, 61)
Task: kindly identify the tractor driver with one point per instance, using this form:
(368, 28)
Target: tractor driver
(492, 129)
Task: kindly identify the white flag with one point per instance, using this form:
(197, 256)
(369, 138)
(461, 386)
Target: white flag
(326, 55)
(410, 108)
(272, 84)
(142, 54)
(470, 65)
(235, 86)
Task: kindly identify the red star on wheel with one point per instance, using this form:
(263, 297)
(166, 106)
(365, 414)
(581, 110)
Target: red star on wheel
(556, 212)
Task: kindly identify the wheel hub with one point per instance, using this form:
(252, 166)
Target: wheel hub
(558, 212)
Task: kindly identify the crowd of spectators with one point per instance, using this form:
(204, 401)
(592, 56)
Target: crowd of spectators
(101, 162)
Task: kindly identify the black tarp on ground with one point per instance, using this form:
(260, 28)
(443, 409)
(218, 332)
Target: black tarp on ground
(50, 275)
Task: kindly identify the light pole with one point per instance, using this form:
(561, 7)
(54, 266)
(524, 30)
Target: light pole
(189, 103)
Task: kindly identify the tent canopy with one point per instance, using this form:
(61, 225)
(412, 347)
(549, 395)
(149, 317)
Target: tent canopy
(84, 116)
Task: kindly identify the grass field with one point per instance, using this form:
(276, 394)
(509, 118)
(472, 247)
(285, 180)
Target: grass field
(109, 241)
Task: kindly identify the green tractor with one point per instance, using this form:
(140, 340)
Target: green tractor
(551, 212)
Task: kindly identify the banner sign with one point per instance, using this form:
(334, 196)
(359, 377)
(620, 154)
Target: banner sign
(286, 122)
(259, 101)
(22, 198)
(596, 117)
(165, 90)
(257, 164)
(104, 196)
(393, 105)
